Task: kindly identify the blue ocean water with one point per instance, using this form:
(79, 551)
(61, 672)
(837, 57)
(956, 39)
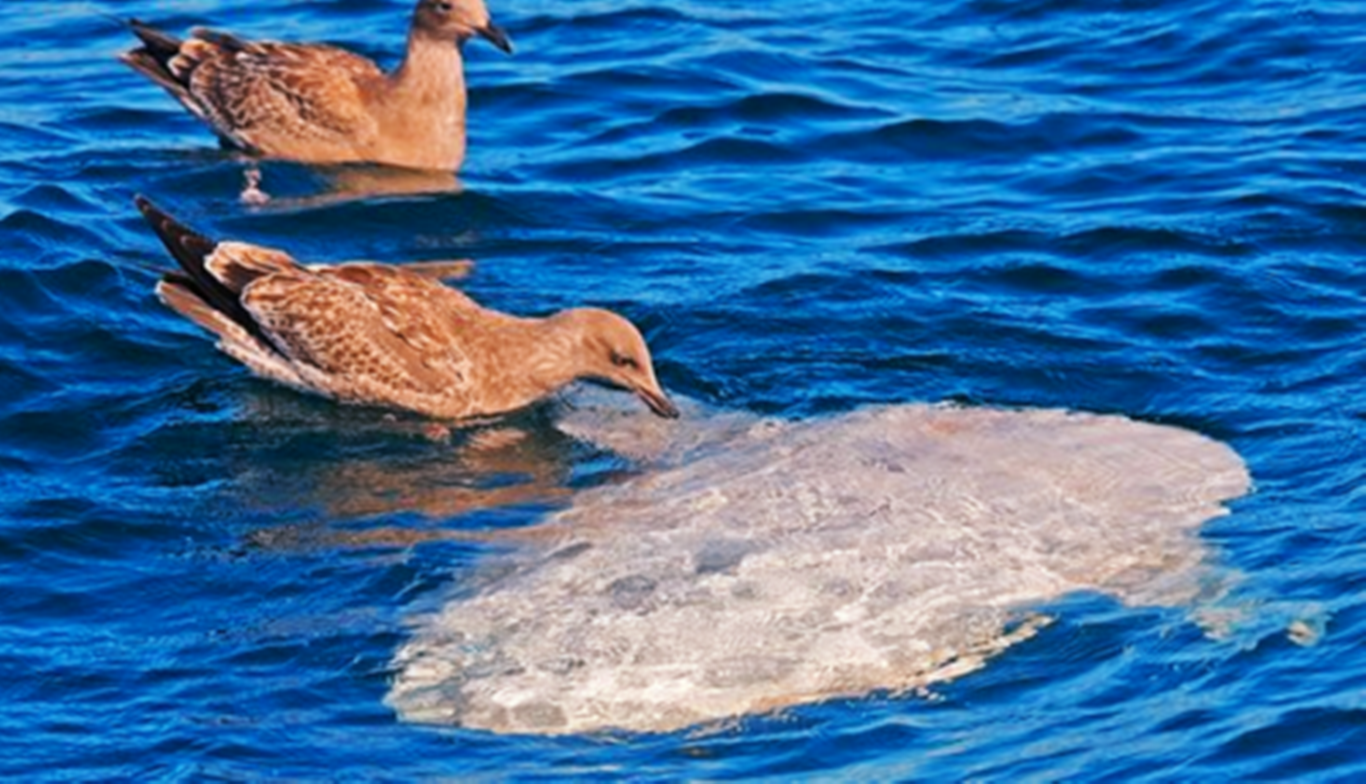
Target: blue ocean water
(1151, 209)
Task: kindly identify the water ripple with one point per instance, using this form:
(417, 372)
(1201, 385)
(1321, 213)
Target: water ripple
(1152, 209)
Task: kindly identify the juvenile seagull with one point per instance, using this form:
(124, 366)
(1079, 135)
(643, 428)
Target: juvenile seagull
(381, 335)
(320, 104)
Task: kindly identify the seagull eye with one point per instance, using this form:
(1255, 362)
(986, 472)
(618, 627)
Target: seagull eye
(443, 7)
(623, 361)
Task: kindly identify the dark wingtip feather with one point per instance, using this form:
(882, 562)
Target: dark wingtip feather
(153, 58)
(187, 246)
(190, 250)
(145, 63)
(159, 44)
(150, 211)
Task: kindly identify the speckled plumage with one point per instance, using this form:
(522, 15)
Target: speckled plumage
(385, 335)
(320, 104)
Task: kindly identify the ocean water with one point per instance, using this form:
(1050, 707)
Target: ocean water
(1146, 209)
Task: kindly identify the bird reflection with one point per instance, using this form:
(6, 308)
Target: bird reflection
(333, 185)
(376, 479)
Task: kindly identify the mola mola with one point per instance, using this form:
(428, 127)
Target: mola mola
(756, 564)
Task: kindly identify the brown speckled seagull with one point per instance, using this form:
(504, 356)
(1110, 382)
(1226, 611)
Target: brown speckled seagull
(377, 334)
(320, 104)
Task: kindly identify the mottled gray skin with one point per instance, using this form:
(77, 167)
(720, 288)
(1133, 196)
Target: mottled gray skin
(761, 564)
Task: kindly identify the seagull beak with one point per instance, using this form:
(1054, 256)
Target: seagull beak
(496, 36)
(658, 402)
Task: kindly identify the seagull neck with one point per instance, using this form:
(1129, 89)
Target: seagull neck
(531, 358)
(432, 73)
(555, 352)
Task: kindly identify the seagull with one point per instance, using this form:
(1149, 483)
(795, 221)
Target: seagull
(383, 335)
(319, 104)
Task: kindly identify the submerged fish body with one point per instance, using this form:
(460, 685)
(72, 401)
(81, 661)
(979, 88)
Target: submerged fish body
(776, 563)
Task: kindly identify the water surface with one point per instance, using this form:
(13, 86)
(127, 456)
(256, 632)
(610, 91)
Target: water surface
(1148, 209)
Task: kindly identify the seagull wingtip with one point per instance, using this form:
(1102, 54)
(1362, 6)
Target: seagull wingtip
(149, 210)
